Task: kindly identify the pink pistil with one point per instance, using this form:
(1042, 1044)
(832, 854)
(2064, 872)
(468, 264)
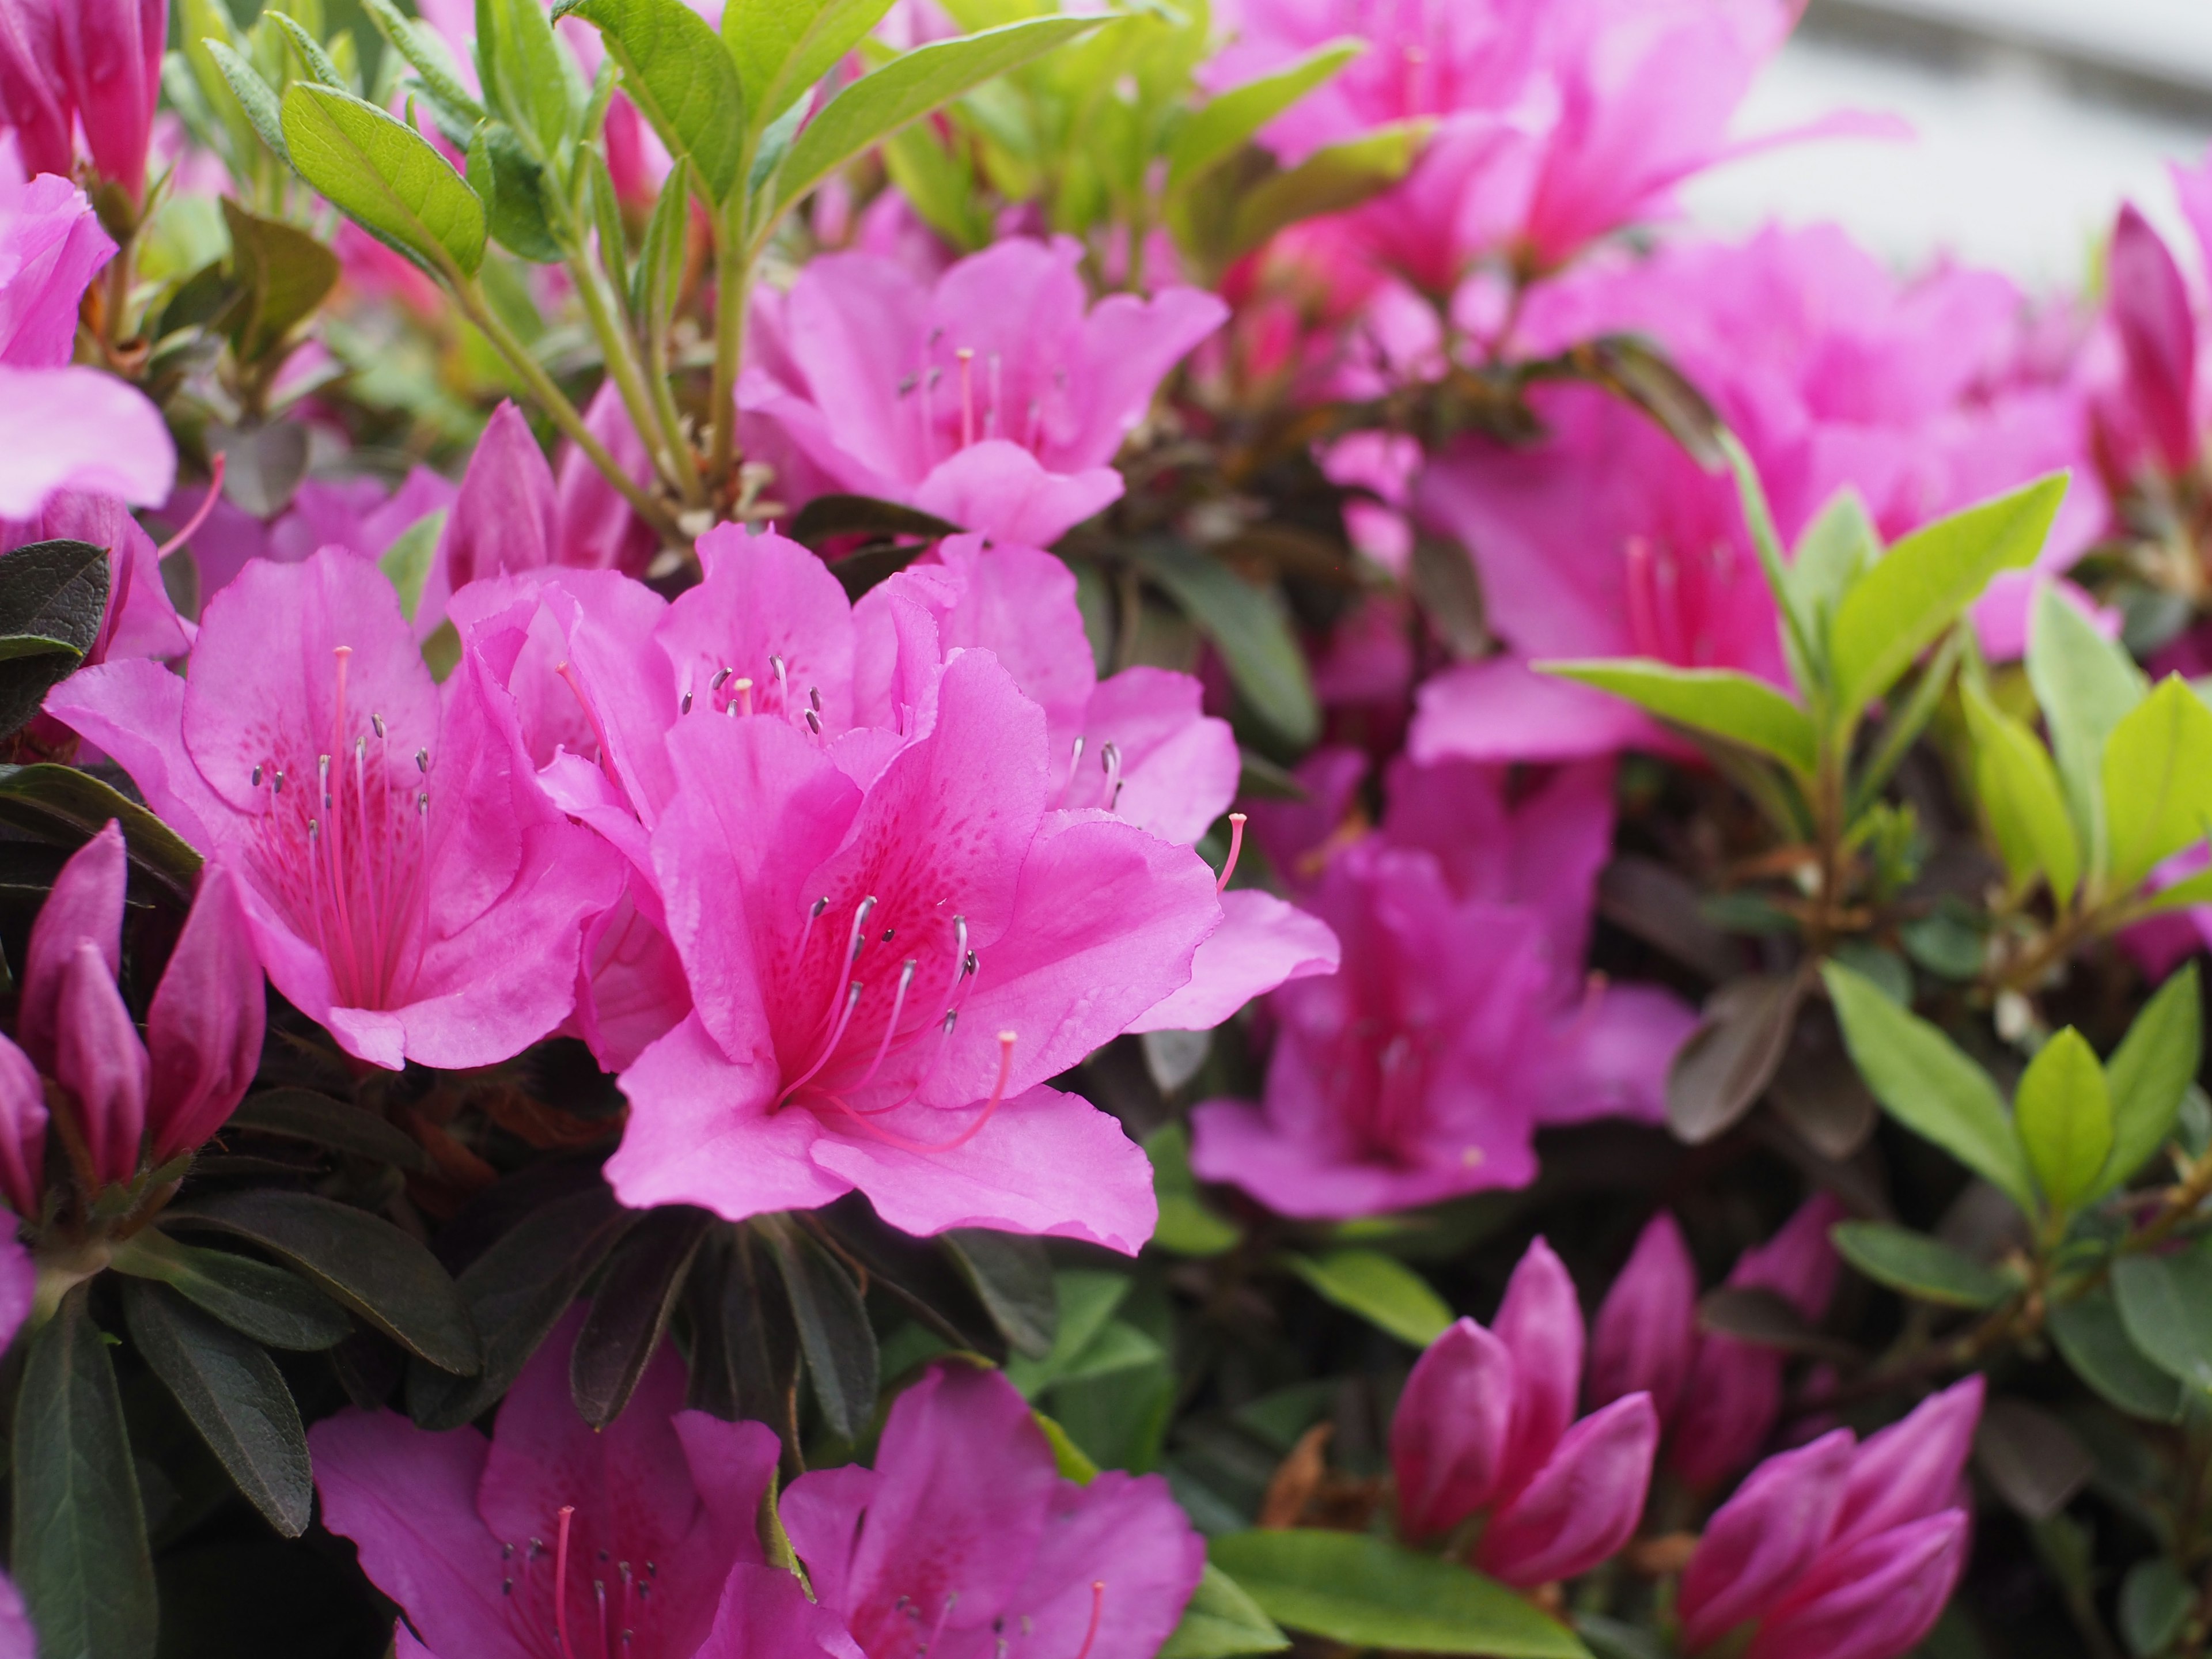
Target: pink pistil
(201, 513)
(1097, 1607)
(990, 1107)
(561, 1582)
(1236, 846)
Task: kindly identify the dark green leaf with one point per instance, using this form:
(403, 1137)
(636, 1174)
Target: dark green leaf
(1725, 1065)
(1012, 1275)
(1918, 1265)
(2165, 1305)
(826, 517)
(501, 173)
(79, 1555)
(271, 1304)
(385, 176)
(516, 1292)
(917, 1273)
(2030, 1457)
(235, 1397)
(2095, 1343)
(1381, 1288)
(266, 463)
(358, 1259)
(1249, 626)
(631, 1310)
(61, 803)
(682, 79)
(303, 1114)
(2155, 1602)
(744, 1350)
(1087, 1303)
(834, 1333)
(284, 273)
(1764, 1318)
(2151, 1071)
(1368, 1592)
(53, 597)
(1221, 1621)
(1186, 1226)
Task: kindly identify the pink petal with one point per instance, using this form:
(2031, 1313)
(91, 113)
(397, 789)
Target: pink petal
(133, 709)
(998, 488)
(502, 521)
(1885, 1594)
(1540, 1324)
(2149, 306)
(763, 597)
(1127, 1533)
(1910, 1470)
(1584, 1504)
(1262, 943)
(1646, 1329)
(1609, 1057)
(77, 428)
(99, 1059)
(1449, 1436)
(1236, 1144)
(85, 906)
(1179, 766)
(22, 1131)
(765, 1614)
(204, 1026)
(1502, 710)
(1764, 1540)
(52, 245)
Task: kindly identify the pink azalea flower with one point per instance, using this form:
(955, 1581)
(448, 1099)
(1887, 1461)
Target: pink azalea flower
(388, 840)
(994, 399)
(2150, 313)
(165, 1093)
(1459, 1022)
(97, 63)
(1486, 1427)
(966, 1534)
(34, 101)
(1718, 1399)
(1836, 1550)
(552, 1539)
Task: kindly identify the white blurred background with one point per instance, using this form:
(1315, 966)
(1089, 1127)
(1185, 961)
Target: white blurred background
(2034, 117)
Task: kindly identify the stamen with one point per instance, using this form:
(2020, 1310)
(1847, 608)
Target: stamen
(591, 715)
(599, 1596)
(782, 684)
(1074, 760)
(828, 1045)
(422, 762)
(377, 722)
(990, 1107)
(890, 1025)
(1109, 762)
(814, 722)
(720, 679)
(256, 777)
(967, 358)
(200, 514)
(279, 779)
(1236, 846)
(685, 707)
(567, 1513)
(814, 698)
(1097, 1606)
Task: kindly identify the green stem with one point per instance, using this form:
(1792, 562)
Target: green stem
(655, 417)
(733, 274)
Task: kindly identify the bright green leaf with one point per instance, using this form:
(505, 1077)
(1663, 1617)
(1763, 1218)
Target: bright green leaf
(2087, 685)
(1368, 1592)
(256, 97)
(311, 57)
(1215, 129)
(680, 76)
(385, 177)
(428, 55)
(525, 78)
(2165, 1305)
(1838, 546)
(1917, 1265)
(2020, 792)
(1335, 178)
(2157, 777)
(1719, 701)
(1381, 1288)
(1926, 1083)
(2063, 1113)
(784, 46)
(511, 187)
(1220, 1621)
(1917, 589)
(2151, 1071)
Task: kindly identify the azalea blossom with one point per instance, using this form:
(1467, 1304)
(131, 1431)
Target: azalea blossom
(93, 64)
(996, 399)
(388, 840)
(1486, 1427)
(964, 1541)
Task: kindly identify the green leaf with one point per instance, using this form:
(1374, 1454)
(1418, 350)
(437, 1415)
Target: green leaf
(1333, 178)
(1220, 1621)
(511, 187)
(285, 275)
(1249, 626)
(2155, 1602)
(406, 563)
(1840, 545)
(2087, 685)
(784, 46)
(1381, 1288)
(631, 1309)
(1186, 1226)
(1719, 701)
(2157, 777)
(1917, 1265)
(427, 53)
(311, 57)
(1223, 123)
(1368, 1592)
(79, 1554)
(53, 597)
(255, 96)
(658, 282)
(1087, 1303)
(1011, 1275)
(832, 515)
(834, 1333)
(275, 1307)
(681, 77)
(358, 1258)
(385, 177)
(907, 88)
(2165, 1305)
(1805, 643)
(1072, 1460)
(2151, 1071)
(303, 1114)
(235, 1397)
(2089, 1333)
(524, 77)
(2019, 789)
(2063, 1114)
(1917, 589)
(1926, 1083)
(59, 803)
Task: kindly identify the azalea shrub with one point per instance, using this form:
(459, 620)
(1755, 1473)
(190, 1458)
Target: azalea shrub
(844, 828)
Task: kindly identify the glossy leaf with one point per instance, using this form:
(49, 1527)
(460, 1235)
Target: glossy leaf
(681, 77)
(303, 1114)
(1013, 1277)
(79, 1550)
(658, 279)
(1919, 1266)
(1721, 1070)
(2157, 778)
(2020, 792)
(358, 1258)
(53, 597)
(524, 77)
(782, 47)
(1926, 1083)
(1840, 545)
(1367, 1592)
(833, 1332)
(272, 1305)
(1918, 589)
(2095, 1340)
(1220, 1621)
(631, 1309)
(1249, 626)
(385, 177)
(427, 54)
(61, 803)
(1738, 709)
(2063, 1113)
(235, 1397)
(1227, 121)
(2151, 1071)
(1381, 1288)
(2031, 1457)
(2165, 1305)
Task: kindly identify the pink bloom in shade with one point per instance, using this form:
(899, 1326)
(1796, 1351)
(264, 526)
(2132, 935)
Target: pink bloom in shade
(1645, 1334)
(886, 967)
(204, 1029)
(388, 841)
(503, 1548)
(1838, 1551)
(1486, 1424)
(1734, 1395)
(964, 1541)
(994, 399)
(2150, 312)
(111, 60)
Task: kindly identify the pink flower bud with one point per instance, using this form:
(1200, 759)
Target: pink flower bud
(85, 906)
(1646, 1331)
(111, 60)
(1910, 1470)
(31, 99)
(22, 1131)
(1875, 1599)
(99, 1059)
(1448, 1439)
(1583, 1503)
(204, 1028)
(2158, 336)
(1764, 1540)
(1540, 1324)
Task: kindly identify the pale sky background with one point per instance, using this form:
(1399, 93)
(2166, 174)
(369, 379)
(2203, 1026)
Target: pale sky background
(2035, 118)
